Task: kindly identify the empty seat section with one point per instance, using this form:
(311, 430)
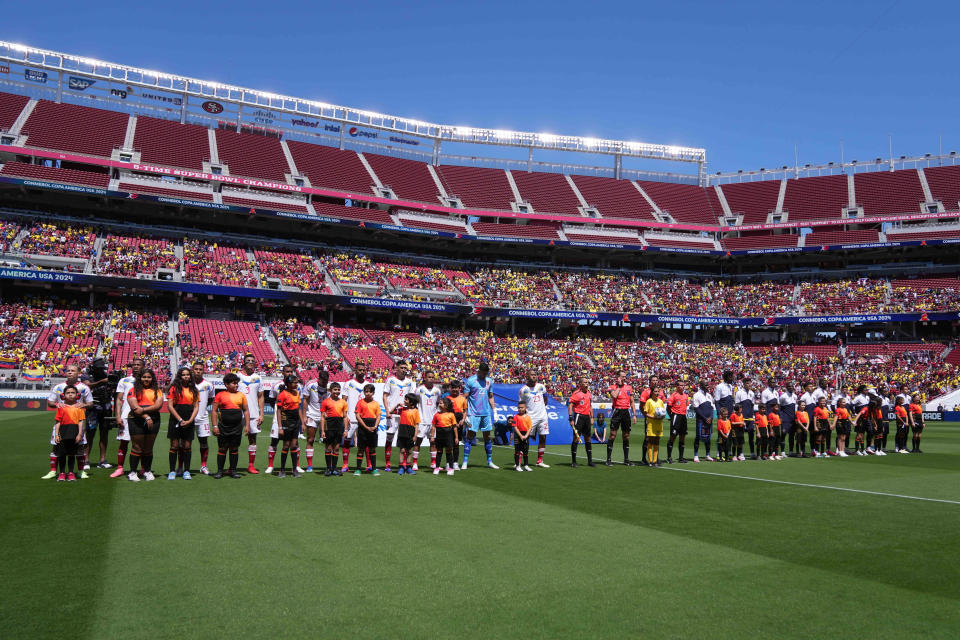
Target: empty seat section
(944, 183)
(760, 242)
(286, 205)
(599, 236)
(252, 156)
(170, 143)
(94, 177)
(477, 187)
(516, 230)
(164, 191)
(818, 238)
(409, 179)
(354, 213)
(755, 200)
(331, 168)
(70, 127)
(454, 226)
(614, 198)
(889, 192)
(923, 235)
(547, 192)
(820, 198)
(685, 202)
(693, 243)
(10, 108)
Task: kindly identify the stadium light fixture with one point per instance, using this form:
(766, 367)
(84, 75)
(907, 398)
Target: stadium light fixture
(547, 138)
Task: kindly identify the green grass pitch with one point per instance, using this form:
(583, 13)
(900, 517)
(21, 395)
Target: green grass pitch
(709, 551)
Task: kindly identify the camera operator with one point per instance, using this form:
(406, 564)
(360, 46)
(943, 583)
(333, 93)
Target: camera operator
(99, 415)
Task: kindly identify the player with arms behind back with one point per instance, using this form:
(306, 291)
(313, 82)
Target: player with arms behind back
(534, 395)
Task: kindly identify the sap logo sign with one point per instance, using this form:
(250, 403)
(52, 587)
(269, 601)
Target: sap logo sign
(354, 132)
(79, 84)
(212, 107)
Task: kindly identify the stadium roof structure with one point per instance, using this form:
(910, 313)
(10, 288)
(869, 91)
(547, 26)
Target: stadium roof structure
(46, 71)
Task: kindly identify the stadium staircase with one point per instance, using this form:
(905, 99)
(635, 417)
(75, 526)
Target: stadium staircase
(927, 194)
(289, 156)
(573, 185)
(781, 196)
(441, 190)
(275, 345)
(556, 291)
(373, 174)
(131, 132)
(176, 356)
(22, 118)
(178, 252)
(331, 283)
(214, 149)
(256, 271)
(93, 264)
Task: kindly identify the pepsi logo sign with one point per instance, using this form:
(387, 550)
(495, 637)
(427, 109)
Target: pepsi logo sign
(212, 107)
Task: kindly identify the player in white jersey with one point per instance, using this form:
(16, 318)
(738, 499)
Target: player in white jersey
(251, 386)
(84, 400)
(395, 389)
(204, 395)
(121, 410)
(352, 392)
(315, 392)
(286, 370)
(429, 392)
(534, 394)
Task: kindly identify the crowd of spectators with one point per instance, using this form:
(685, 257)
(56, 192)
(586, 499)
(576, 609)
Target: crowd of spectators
(59, 240)
(139, 334)
(131, 255)
(215, 263)
(67, 336)
(20, 324)
(864, 295)
(223, 344)
(523, 289)
(303, 345)
(755, 299)
(8, 233)
(291, 269)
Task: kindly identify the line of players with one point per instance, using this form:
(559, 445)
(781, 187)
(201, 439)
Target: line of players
(348, 415)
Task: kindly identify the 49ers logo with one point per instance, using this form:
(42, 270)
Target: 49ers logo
(212, 107)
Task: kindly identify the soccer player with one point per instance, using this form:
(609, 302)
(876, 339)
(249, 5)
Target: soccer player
(54, 401)
(823, 391)
(204, 396)
(580, 413)
(292, 416)
(762, 426)
(678, 403)
(522, 426)
(775, 432)
(316, 392)
(903, 425)
(145, 400)
(788, 411)
(723, 435)
(429, 392)
(395, 390)
(809, 402)
(723, 393)
(251, 386)
(444, 432)
(654, 381)
(841, 424)
(621, 418)
(409, 418)
(333, 410)
(480, 411)
(737, 422)
(68, 432)
(703, 406)
(230, 421)
(534, 395)
(770, 396)
(276, 425)
(747, 399)
(182, 406)
(821, 417)
(654, 410)
(368, 421)
(883, 423)
(916, 421)
(353, 392)
(802, 426)
(459, 403)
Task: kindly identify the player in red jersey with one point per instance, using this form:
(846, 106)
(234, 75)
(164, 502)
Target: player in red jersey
(916, 421)
(580, 412)
(230, 421)
(623, 412)
(677, 404)
(333, 412)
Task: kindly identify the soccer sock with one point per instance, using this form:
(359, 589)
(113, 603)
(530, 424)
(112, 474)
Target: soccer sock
(134, 462)
(433, 459)
(296, 457)
(53, 461)
(488, 447)
(204, 453)
(251, 452)
(573, 451)
(696, 447)
(346, 455)
(186, 456)
(81, 458)
(626, 450)
(309, 457)
(467, 445)
(416, 454)
(174, 457)
(283, 459)
(59, 463)
(650, 458)
(656, 452)
(372, 453)
(706, 447)
(589, 447)
(669, 449)
(387, 450)
(516, 457)
(438, 458)
(70, 463)
(526, 457)
(221, 460)
(540, 451)
(359, 459)
(609, 449)
(679, 450)
(368, 458)
(147, 462)
(751, 443)
(234, 459)
(271, 454)
(456, 455)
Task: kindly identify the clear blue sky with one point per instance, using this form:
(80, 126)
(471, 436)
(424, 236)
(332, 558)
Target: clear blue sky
(746, 80)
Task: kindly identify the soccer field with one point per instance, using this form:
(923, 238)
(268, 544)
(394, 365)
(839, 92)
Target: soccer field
(855, 547)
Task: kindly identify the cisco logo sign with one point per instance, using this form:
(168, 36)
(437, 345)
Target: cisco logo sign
(212, 107)
(357, 133)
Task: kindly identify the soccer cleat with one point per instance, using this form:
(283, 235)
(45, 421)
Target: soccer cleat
(71, 477)
(62, 477)
(250, 469)
(518, 468)
(376, 472)
(172, 475)
(268, 470)
(186, 475)
(527, 468)
(387, 469)
(415, 467)
(204, 470)
(50, 474)
(411, 472)
(574, 464)
(117, 472)
(281, 474)
(337, 472)
(86, 466)
(310, 469)
(84, 475)
(490, 465)
(234, 474)
(682, 461)
(368, 469)
(133, 477)
(148, 476)
(881, 452)
(753, 456)
(457, 467)
(344, 469)
(104, 465)
(436, 471)
(400, 471)
(357, 473)
(608, 464)
(696, 458)
(707, 458)
(543, 465)
(449, 472)
(218, 475)
(669, 460)
(327, 473)
(591, 464)
(741, 458)
(296, 472)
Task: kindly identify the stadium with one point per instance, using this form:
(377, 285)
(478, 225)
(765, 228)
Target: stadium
(171, 221)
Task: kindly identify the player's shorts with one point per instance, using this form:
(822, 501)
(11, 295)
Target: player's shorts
(254, 429)
(274, 428)
(540, 427)
(393, 422)
(917, 425)
(123, 430)
(405, 442)
(445, 437)
(480, 424)
(313, 421)
(620, 420)
(334, 436)
(843, 427)
(582, 424)
(203, 426)
(68, 440)
(138, 424)
(654, 428)
(884, 427)
(351, 429)
(678, 424)
(176, 432)
(704, 429)
(367, 438)
(229, 440)
(423, 430)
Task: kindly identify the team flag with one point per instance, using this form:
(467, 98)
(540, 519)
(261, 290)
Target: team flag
(8, 362)
(33, 375)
